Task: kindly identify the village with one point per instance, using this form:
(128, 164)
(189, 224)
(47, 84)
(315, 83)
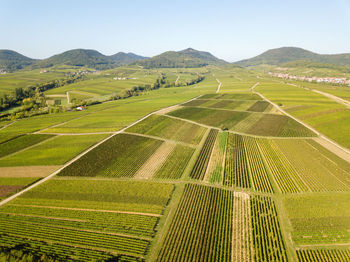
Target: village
(330, 80)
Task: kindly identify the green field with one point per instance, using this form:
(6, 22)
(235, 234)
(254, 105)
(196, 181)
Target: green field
(223, 177)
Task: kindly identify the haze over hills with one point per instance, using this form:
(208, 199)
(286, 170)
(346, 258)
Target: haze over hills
(282, 55)
(182, 59)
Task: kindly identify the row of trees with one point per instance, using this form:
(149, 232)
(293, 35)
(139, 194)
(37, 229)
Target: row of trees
(17, 97)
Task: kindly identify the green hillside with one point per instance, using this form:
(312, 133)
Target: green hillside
(11, 60)
(282, 55)
(187, 58)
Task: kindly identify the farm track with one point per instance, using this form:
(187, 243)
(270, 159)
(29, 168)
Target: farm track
(333, 97)
(8, 125)
(163, 139)
(219, 86)
(307, 126)
(29, 147)
(6, 200)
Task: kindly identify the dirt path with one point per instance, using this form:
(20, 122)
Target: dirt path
(219, 86)
(8, 125)
(255, 85)
(321, 136)
(177, 79)
(3, 202)
(155, 161)
(334, 98)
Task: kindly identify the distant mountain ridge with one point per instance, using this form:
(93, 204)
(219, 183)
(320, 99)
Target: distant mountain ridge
(187, 58)
(282, 55)
(11, 60)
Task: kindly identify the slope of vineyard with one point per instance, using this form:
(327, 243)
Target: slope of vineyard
(236, 167)
(81, 220)
(201, 229)
(201, 164)
(315, 255)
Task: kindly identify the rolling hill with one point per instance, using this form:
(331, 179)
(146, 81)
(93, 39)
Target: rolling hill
(89, 58)
(181, 59)
(11, 60)
(282, 55)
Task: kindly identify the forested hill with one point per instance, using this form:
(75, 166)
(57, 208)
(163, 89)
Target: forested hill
(282, 55)
(11, 60)
(182, 59)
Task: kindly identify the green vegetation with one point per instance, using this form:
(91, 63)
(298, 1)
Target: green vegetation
(120, 156)
(223, 119)
(176, 163)
(20, 143)
(236, 167)
(311, 255)
(202, 161)
(71, 213)
(267, 236)
(319, 219)
(201, 227)
(56, 151)
(11, 60)
(169, 128)
(215, 166)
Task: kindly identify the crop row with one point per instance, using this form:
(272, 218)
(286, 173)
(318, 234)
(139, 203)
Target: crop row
(169, 128)
(216, 163)
(72, 236)
(259, 106)
(236, 168)
(202, 161)
(258, 170)
(284, 174)
(21, 142)
(201, 229)
(119, 156)
(314, 255)
(138, 225)
(317, 171)
(43, 251)
(176, 163)
(242, 246)
(266, 233)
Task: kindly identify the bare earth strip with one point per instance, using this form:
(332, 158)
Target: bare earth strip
(27, 171)
(242, 245)
(155, 161)
(334, 149)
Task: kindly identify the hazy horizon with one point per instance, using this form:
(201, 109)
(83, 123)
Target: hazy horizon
(230, 30)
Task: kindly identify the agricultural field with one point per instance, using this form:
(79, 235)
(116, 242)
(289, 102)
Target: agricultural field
(176, 174)
(258, 124)
(326, 222)
(120, 156)
(221, 226)
(85, 219)
(325, 115)
(169, 128)
(55, 151)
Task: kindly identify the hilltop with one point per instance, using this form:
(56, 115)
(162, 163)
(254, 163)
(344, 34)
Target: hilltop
(282, 55)
(182, 59)
(11, 60)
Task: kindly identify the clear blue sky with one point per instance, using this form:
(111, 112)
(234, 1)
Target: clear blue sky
(232, 29)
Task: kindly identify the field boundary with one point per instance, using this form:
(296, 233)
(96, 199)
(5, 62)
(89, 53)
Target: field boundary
(6, 200)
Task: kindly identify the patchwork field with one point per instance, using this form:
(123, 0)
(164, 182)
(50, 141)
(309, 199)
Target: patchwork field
(220, 176)
(243, 121)
(86, 220)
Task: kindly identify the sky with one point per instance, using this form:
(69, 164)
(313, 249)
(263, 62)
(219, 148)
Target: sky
(229, 29)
